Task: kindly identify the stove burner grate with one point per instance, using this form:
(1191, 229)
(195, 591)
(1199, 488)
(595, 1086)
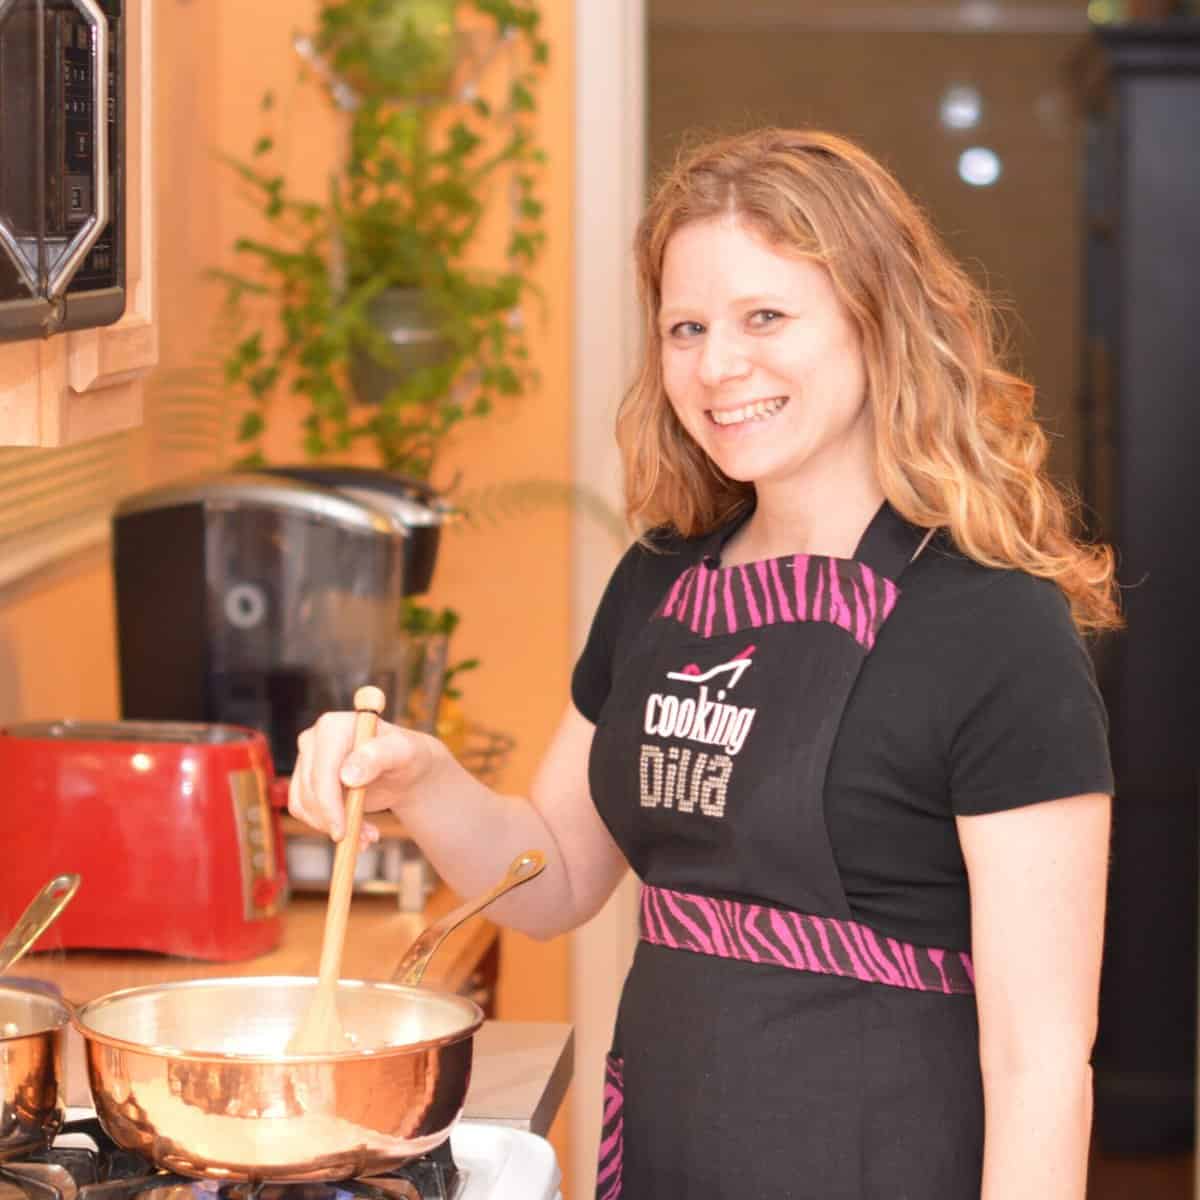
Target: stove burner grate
(110, 1173)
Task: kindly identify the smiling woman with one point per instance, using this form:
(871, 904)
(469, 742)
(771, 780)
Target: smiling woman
(832, 704)
(822, 443)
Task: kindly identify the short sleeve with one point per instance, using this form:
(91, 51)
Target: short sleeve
(637, 584)
(1026, 718)
(592, 676)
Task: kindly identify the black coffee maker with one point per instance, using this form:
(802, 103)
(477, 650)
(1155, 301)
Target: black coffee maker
(412, 503)
(267, 598)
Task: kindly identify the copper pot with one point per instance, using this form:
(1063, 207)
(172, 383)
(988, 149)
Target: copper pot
(195, 1076)
(31, 1058)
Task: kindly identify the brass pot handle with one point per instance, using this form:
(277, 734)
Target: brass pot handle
(34, 921)
(416, 958)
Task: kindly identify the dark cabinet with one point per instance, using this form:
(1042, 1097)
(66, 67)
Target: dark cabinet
(1141, 484)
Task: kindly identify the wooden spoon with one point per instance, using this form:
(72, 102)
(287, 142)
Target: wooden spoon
(320, 1032)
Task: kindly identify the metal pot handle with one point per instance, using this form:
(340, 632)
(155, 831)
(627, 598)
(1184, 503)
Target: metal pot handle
(43, 910)
(416, 958)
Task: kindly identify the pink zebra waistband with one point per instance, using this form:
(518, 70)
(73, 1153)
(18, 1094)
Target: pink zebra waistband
(799, 942)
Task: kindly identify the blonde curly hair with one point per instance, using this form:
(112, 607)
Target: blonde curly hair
(956, 442)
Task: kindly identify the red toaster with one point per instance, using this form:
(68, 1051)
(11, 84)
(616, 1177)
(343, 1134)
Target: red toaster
(168, 824)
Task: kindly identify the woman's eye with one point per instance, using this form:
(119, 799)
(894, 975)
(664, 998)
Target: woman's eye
(686, 329)
(764, 317)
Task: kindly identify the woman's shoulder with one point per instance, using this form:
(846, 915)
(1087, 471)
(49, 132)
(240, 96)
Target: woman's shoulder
(955, 589)
(659, 555)
(1011, 692)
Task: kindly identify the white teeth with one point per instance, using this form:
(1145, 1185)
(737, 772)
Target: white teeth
(758, 411)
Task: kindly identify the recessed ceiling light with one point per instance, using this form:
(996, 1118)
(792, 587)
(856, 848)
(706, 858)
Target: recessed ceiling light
(979, 166)
(961, 107)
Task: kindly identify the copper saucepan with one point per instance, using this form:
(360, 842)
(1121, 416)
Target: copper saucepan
(31, 1055)
(196, 1076)
(32, 1021)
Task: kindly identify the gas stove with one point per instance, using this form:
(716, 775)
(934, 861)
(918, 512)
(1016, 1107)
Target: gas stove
(480, 1162)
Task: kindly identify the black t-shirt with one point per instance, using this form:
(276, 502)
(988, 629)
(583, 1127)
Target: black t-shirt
(978, 696)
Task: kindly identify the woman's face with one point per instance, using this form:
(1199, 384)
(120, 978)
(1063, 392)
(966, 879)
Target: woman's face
(761, 361)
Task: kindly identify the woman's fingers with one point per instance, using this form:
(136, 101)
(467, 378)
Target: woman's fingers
(328, 762)
(299, 788)
(314, 793)
(332, 738)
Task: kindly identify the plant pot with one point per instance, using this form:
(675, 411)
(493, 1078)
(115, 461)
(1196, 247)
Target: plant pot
(406, 48)
(405, 321)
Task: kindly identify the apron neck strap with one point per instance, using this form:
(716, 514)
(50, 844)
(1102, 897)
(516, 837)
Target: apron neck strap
(890, 543)
(887, 546)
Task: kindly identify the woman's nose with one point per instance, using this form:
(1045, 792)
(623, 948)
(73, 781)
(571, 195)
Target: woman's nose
(722, 358)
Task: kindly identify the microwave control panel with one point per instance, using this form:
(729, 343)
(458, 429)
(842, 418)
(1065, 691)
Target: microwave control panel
(50, 142)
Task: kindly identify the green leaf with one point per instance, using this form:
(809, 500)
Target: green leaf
(250, 426)
(262, 381)
(523, 246)
(263, 146)
(463, 142)
(521, 98)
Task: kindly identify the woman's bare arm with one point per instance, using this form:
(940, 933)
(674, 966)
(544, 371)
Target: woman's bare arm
(469, 832)
(1038, 880)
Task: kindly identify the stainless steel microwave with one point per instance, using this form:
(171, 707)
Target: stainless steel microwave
(62, 159)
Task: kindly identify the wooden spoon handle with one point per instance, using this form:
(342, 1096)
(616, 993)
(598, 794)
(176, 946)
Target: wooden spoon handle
(368, 705)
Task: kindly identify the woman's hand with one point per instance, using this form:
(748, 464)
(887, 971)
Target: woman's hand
(392, 767)
(469, 832)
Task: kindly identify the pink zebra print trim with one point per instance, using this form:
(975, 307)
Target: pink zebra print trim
(799, 941)
(612, 1131)
(712, 601)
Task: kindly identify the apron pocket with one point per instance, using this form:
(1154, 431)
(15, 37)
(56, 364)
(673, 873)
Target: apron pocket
(612, 1130)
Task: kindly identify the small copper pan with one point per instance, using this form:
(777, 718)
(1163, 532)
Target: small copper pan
(31, 1066)
(197, 1077)
(32, 1020)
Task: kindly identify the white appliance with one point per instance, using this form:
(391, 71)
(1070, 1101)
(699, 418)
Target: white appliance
(504, 1164)
(498, 1162)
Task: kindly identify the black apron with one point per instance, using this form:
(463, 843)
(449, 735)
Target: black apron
(767, 1044)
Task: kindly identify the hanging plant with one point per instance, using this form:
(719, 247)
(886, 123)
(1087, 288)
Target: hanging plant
(369, 306)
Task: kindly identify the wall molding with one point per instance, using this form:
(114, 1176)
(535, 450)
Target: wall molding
(609, 184)
(787, 16)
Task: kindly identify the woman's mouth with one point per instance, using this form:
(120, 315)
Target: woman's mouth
(759, 410)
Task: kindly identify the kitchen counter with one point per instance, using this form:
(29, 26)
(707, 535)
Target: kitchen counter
(377, 935)
(520, 1074)
(521, 1070)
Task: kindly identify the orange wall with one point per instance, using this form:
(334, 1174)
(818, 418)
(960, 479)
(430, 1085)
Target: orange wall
(57, 653)
(56, 643)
